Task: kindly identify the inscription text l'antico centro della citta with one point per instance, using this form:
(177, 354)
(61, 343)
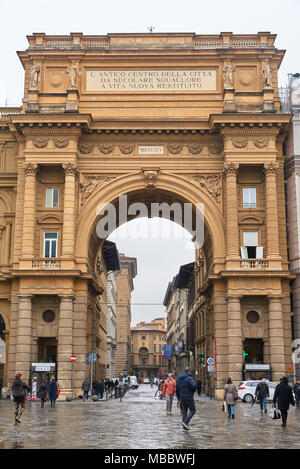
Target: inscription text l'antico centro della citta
(135, 80)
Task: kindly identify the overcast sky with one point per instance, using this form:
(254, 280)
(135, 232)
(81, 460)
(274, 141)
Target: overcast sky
(158, 261)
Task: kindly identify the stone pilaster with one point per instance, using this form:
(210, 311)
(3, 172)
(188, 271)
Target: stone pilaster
(65, 343)
(220, 335)
(276, 338)
(235, 341)
(80, 334)
(68, 238)
(24, 336)
(232, 232)
(271, 211)
(13, 334)
(30, 170)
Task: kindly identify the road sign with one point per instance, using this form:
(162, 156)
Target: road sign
(210, 369)
(210, 361)
(289, 369)
(92, 357)
(73, 358)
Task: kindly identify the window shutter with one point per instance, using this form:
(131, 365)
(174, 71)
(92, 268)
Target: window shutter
(259, 252)
(244, 253)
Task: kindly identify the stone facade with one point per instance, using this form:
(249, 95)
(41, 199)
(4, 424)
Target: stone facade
(124, 287)
(147, 341)
(160, 118)
(293, 208)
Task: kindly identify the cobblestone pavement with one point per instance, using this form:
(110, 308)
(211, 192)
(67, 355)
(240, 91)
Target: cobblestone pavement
(140, 421)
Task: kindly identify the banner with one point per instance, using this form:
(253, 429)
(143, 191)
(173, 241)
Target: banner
(167, 349)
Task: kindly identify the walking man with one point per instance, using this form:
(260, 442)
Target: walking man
(19, 391)
(42, 393)
(283, 397)
(262, 392)
(296, 389)
(199, 387)
(185, 389)
(86, 385)
(169, 391)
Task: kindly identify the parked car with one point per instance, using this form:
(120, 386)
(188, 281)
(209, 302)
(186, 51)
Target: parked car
(246, 390)
(146, 381)
(133, 383)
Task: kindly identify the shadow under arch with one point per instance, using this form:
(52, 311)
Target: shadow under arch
(166, 187)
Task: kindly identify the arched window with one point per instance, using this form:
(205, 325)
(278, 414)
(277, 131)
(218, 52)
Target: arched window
(143, 356)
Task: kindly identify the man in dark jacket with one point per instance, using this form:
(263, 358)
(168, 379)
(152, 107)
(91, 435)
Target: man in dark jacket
(296, 389)
(262, 392)
(185, 388)
(42, 392)
(284, 396)
(19, 390)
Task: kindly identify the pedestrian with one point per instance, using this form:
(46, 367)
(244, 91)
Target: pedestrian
(151, 382)
(19, 390)
(161, 387)
(54, 391)
(261, 393)
(185, 388)
(157, 390)
(199, 387)
(230, 397)
(42, 393)
(99, 389)
(296, 389)
(283, 397)
(86, 385)
(169, 391)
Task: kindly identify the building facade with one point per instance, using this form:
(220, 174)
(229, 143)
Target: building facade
(293, 206)
(159, 118)
(147, 341)
(124, 287)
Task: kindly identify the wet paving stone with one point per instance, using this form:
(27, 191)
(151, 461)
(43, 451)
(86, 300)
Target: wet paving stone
(140, 422)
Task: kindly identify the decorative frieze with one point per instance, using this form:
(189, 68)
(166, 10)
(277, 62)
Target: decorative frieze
(40, 142)
(240, 142)
(195, 149)
(127, 149)
(85, 148)
(106, 149)
(91, 184)
(261, 142)
(215, 148)
(211, 183)
(174, 148)
(61, 142)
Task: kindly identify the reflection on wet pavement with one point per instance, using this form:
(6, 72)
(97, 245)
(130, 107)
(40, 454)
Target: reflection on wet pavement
(140, 421)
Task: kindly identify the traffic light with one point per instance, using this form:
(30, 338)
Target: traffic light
(202, 356)
(245, 354)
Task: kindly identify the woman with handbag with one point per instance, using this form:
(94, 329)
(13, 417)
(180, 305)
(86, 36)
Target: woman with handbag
(230, 397)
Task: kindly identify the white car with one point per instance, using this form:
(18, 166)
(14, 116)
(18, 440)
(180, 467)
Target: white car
(146, 381)
(246, 390)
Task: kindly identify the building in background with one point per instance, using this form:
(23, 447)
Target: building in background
(111, 254)
(291, 104)
(179, 300)
(124, 287)
(147, 341)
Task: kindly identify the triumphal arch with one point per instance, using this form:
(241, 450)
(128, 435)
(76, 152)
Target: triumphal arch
(160, 118)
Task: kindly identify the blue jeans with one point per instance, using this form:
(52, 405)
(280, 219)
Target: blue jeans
(263, 403)
(231, 410)
(85, 395)
(185, 406)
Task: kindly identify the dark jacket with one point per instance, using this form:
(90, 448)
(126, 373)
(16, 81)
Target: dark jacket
(296, 389)
(99, 387)
(19, 388)
(283, 395)
(42, 392)
(86, 385)
(52, 390)
(262, 390)
(185, 387)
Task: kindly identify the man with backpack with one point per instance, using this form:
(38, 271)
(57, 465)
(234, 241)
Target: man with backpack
(185, 389)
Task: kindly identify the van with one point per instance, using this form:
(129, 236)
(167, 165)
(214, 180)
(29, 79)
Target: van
(133, 382)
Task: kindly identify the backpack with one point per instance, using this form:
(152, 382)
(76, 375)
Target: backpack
(57, 389)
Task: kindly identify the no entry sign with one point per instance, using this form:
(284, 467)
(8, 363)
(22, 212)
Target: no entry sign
(73, 358)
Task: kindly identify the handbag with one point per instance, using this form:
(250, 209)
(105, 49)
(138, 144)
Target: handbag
(235, 394)
(224, 406)
(274, 413)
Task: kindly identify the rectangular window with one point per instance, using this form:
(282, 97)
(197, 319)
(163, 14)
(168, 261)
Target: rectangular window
(52, 194)
(249, 197)
(50, 243)
(251, 250)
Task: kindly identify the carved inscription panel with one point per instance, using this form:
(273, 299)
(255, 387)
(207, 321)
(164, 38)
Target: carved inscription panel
(151, 80)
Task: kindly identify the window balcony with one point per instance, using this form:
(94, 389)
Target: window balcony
(46, 263)
(254, 264)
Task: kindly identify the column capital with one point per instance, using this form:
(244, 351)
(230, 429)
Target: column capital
(70, 168)
(67, 297)
(271, 168)
(275, 296)
(30, 168)
(230, 169)
(25, 296)
(234, 297)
